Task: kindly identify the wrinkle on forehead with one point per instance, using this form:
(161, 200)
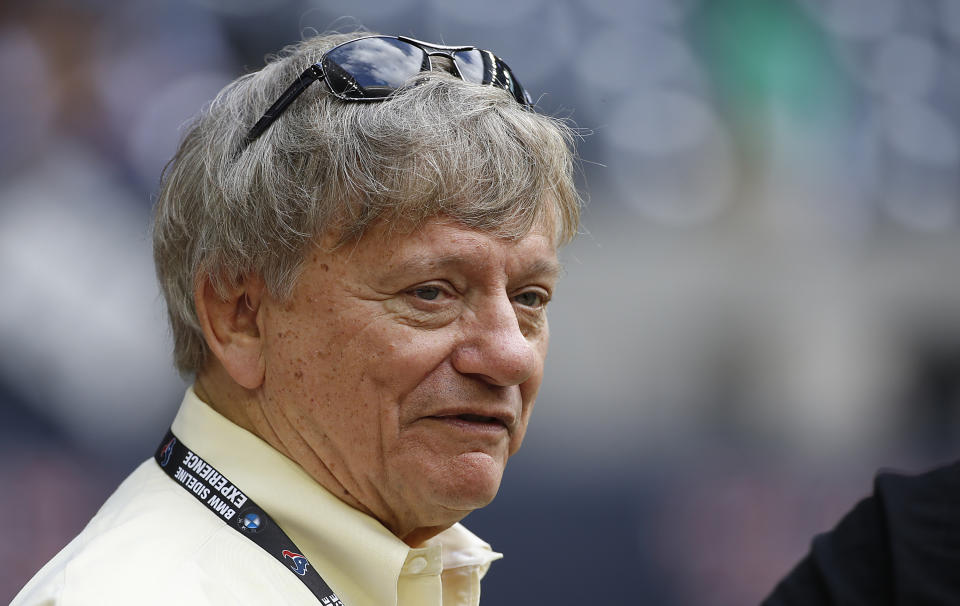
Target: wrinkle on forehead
(548, 268)
(392, 229)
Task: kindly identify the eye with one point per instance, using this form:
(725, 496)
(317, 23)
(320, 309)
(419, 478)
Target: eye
(427, 293)
(531, 298)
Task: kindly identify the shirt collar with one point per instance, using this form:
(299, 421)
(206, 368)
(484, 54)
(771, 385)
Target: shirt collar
(352, 551)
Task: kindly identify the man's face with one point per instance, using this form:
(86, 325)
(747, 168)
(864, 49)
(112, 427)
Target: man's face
(407, 366)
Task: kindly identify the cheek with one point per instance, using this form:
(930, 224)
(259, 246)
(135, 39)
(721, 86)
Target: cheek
(531, 386)
(528, 395)
(306, 373)
(350, 370)
(397, 358)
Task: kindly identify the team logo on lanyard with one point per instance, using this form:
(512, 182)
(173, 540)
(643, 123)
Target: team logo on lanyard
(166, 452)
(299, 562)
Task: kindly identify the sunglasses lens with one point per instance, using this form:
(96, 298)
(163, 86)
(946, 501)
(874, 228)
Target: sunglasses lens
(483, 67)
(372, 68)
(474, 66)
(504, 78)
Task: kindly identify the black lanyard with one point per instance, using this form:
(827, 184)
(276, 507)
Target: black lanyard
(238, 511)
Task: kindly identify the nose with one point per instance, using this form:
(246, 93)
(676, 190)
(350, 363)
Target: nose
(495, 349)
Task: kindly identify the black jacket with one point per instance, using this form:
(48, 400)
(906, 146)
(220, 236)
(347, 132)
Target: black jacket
(900, 546)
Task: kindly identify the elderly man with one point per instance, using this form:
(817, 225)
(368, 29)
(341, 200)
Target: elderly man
(358, 277)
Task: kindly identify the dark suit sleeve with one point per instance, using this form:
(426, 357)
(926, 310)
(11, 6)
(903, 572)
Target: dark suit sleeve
(900, 546)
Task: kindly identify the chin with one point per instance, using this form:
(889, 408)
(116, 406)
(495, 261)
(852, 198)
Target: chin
(470, 482)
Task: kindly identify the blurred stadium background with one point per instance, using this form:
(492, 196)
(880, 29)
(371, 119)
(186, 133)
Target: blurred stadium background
(764, 307)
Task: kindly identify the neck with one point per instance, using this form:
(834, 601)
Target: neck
(235, 403)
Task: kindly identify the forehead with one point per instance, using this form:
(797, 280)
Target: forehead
(444, 243)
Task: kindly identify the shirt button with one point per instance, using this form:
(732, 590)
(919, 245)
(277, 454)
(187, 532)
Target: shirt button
(416, 565)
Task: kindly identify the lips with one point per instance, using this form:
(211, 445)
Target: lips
(478, 419)
(498, 420)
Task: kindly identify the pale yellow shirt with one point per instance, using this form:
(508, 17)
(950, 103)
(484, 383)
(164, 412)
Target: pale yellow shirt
(153, 543)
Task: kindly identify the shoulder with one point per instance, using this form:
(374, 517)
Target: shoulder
(920, 498)
(901, 545)
(921, 518)
(150, 542)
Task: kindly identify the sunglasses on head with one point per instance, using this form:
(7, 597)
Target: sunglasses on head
(373, 67)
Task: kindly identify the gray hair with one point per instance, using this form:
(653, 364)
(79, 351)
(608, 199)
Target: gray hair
(440, 147)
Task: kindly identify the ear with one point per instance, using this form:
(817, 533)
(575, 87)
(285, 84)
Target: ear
(232, 327)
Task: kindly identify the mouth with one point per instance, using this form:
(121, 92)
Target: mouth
(474, 422)
(479, 419)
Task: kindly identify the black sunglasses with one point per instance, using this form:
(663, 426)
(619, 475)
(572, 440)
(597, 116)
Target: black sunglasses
(371, 68)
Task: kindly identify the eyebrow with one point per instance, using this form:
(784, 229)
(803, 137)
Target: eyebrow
(545, 267)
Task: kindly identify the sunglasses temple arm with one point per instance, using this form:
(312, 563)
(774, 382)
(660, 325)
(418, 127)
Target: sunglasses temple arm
(311, 75)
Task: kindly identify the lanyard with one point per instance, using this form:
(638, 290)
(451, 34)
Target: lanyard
(238, 511)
